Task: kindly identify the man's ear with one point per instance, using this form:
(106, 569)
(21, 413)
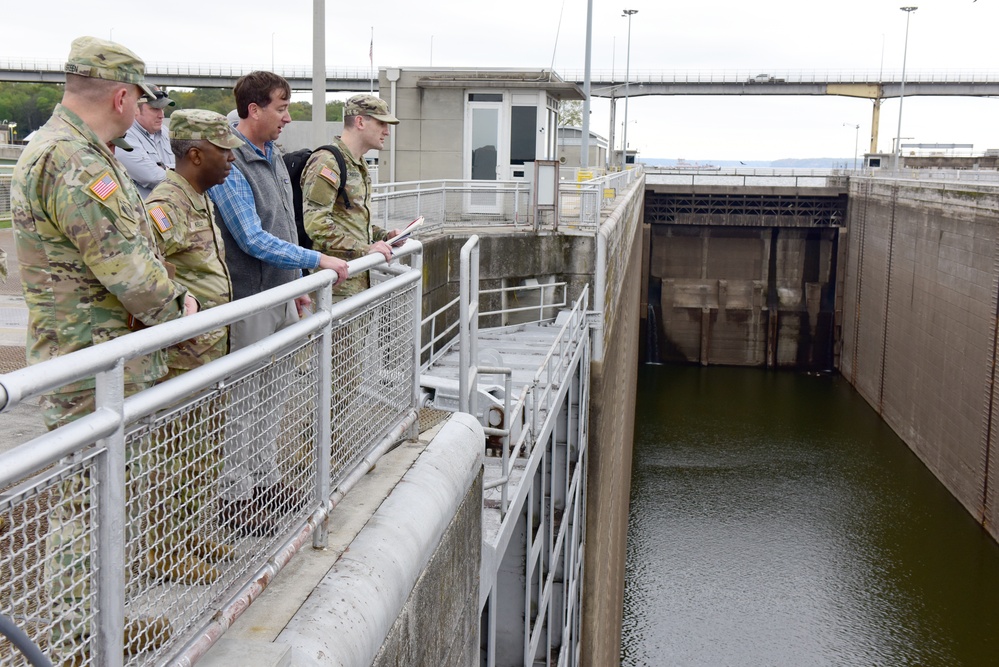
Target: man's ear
(194, 155)
(120, 98)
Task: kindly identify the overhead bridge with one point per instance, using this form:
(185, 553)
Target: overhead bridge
(852, 83)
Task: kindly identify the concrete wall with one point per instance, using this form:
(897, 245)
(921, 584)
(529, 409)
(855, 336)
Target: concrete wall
(430, 134)
(919, 330)
(741, 296)
(439, 624)
(612, 383)
(612, 425)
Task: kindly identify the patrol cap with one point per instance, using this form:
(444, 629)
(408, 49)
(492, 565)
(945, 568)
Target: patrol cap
(101, 59)
(201, 124)
(161, 101)
(369, 105)
(122, 144)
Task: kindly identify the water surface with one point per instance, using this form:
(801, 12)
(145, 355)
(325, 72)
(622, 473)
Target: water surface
(776, 520)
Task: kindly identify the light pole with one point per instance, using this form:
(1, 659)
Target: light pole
(272, 50)
(901, 93)
(856, 140)
(627, 75)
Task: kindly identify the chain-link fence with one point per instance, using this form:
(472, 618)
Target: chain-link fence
(127, 533)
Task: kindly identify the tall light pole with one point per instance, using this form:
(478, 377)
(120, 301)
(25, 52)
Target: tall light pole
(856, 140)
(901, 93)
(627, 75)
(272, 50)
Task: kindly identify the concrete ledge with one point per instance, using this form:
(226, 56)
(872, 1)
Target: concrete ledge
(349, 614)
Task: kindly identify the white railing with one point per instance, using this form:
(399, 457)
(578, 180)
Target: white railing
(812, 178)
(125, 537)
(451, 203)
(985, 176)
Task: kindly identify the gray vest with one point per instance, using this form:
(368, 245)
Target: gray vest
(272, 197)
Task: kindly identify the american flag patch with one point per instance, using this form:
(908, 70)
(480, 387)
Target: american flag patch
(159, 216)
(104, 186)
(329, 175)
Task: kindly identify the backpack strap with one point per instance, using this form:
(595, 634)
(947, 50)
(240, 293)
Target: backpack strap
(341, 192)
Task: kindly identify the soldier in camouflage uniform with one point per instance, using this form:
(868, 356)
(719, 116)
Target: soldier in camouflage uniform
(3, 265)
(87, 264)
(335, 229)
(346, 232)
(182, 216)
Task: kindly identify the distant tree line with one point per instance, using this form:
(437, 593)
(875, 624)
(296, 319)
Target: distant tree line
(31, 104)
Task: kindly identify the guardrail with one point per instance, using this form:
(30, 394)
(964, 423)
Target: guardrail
(153, 69)
(772, 75)
(451, 203)
(812, 178)
(5, 179)
(987, 177)
(125, 537)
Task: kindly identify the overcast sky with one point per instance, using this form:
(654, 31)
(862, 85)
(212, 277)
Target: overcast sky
(718, 35)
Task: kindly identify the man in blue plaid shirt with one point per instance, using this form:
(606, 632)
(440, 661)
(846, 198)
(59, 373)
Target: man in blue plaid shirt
(255, 214)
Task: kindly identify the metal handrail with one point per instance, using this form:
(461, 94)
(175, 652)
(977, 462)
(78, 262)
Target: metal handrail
(99, 438)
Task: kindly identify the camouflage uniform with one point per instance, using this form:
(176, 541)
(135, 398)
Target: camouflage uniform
(185, 467)
(87, 261)
(86, 257)
(334, 229)
(185, 231)
(345, 233)
(3, 265)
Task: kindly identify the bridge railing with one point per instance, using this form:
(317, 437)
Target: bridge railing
(154, 69)
(765, 75)
(758, 75)
(138, 533)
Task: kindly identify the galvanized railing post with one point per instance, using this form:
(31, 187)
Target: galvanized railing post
(324, 435)
(416, 263)
(110, 532)
(469, 326)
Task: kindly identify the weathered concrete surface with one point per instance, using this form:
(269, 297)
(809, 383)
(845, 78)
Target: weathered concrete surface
(612, 426)
(352, 617)
(920, 325)
(407, 525)
(741, 296)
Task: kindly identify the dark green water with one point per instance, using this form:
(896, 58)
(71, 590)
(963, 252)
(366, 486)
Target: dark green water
(775, 520)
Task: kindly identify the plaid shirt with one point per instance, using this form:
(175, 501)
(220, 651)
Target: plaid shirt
(234, 200)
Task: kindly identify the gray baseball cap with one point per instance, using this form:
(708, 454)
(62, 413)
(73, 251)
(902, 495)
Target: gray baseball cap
(161, 101)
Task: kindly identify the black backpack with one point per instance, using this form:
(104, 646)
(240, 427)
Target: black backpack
(295, 162)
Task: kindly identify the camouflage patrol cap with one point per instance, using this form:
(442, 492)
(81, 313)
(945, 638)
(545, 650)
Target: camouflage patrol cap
(369, 105)
(101, 59)
(201, 124)
(122, 144)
